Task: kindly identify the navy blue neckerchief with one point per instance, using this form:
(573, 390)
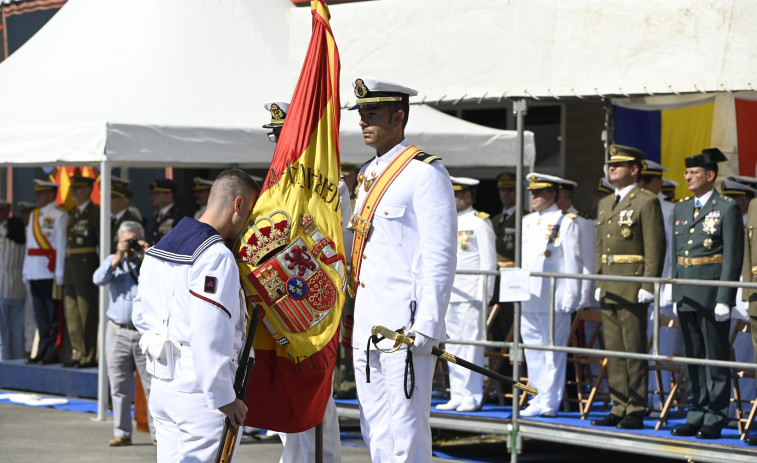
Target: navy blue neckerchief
(185, 242)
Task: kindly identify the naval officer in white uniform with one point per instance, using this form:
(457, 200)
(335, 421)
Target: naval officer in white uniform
(551, 242)
(403, 275)
(190, 313)
(43, 265)
(476, 250)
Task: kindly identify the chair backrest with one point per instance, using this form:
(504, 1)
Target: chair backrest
(665, 322)
(585, 315)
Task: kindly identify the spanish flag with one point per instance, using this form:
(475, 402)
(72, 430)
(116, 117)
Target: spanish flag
(291, 254)
(667, 134)
(62, 176)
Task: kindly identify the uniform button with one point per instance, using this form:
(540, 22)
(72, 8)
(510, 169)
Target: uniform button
(608, 235)
(386, 213)
(687, 253)
(608, 249)
(690, 241)
(364, 256)
(691, 230)
(609, 220)
(362, 285)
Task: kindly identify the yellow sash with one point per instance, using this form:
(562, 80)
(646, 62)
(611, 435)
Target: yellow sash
(361, 222)
(45, 249)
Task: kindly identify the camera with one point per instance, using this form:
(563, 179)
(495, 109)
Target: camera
(134, 244)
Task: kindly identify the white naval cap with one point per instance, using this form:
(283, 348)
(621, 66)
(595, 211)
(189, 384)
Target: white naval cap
(202, 184)
(44, 185)
(731, 188)
(463, 183)
(371, 91)
(652, 168)
(669, 183)
(537, 181)
(279, 110)
(604, 186)
(26, 206)
(749, 181)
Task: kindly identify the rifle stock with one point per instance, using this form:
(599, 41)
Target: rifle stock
(230, 433)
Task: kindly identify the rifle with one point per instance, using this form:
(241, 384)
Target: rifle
(229, 435)
(400, 338)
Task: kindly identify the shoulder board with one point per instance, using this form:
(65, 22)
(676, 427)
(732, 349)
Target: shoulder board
(427, 158)
(647, 192)
(481, 215)
(585, 215)
(569, 215)
(727, 198)
(684, 199)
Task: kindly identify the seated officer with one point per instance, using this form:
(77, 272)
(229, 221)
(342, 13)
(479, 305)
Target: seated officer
(167, 214)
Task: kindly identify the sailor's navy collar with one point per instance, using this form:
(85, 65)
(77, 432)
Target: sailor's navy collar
(185, 242)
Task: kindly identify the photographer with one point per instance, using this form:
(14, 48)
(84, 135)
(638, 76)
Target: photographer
(122, 351)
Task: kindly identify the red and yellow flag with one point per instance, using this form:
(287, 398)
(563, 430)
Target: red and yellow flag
(291, 254)
(62, 176)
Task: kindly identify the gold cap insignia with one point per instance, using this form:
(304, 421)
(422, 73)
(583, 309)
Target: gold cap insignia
(360, 89)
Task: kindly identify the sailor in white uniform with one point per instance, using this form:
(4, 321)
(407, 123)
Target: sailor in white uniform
(43, 264)
(403, 275)
(476, 250)
(551, 242)
(190, 313)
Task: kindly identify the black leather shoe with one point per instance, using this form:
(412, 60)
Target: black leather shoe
(47, 360)
(31, 360)
(632, 421)
(687, 430)
(609, 420)
(751, 440)
(708, 432)
(72, 364)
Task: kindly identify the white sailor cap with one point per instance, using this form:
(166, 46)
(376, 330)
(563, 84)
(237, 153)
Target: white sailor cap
(538, 181)
(44, 185)
(748, 181)
(463, 183)
(375, 92)
(202, 184)
(731, 188)
(279, 110)
(652, 168)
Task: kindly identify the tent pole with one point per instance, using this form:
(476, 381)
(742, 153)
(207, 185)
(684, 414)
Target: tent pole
(520, 107)
(102, 378)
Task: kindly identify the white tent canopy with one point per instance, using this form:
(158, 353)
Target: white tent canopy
(179, 83)
(451, 50)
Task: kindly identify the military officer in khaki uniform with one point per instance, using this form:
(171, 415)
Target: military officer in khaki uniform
(120, 212)
(80, 293)
(750, 275)
(167, 214)
(630, 242)
(708, 244)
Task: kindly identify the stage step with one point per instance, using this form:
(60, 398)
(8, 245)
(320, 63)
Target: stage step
(49, 379)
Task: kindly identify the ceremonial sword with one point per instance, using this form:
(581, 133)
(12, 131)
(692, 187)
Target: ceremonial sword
(400, 338)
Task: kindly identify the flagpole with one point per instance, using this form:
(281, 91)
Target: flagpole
(319, 442)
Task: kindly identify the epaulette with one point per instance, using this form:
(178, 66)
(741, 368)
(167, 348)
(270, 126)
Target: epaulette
(727, 198)
(569, 215)
(427, 158)
(684, 199)
(481, 215)
(585, 215)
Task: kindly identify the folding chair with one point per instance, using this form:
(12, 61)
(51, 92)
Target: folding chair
(743, 420)
(586, 382)
(675, 393)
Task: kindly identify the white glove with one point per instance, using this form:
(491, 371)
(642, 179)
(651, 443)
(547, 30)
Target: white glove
(59, 279)
(667, 295)
(565, 307)
(422, 345)
(645, 296)
(675, 309)
(597, 292)
(722, 312)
